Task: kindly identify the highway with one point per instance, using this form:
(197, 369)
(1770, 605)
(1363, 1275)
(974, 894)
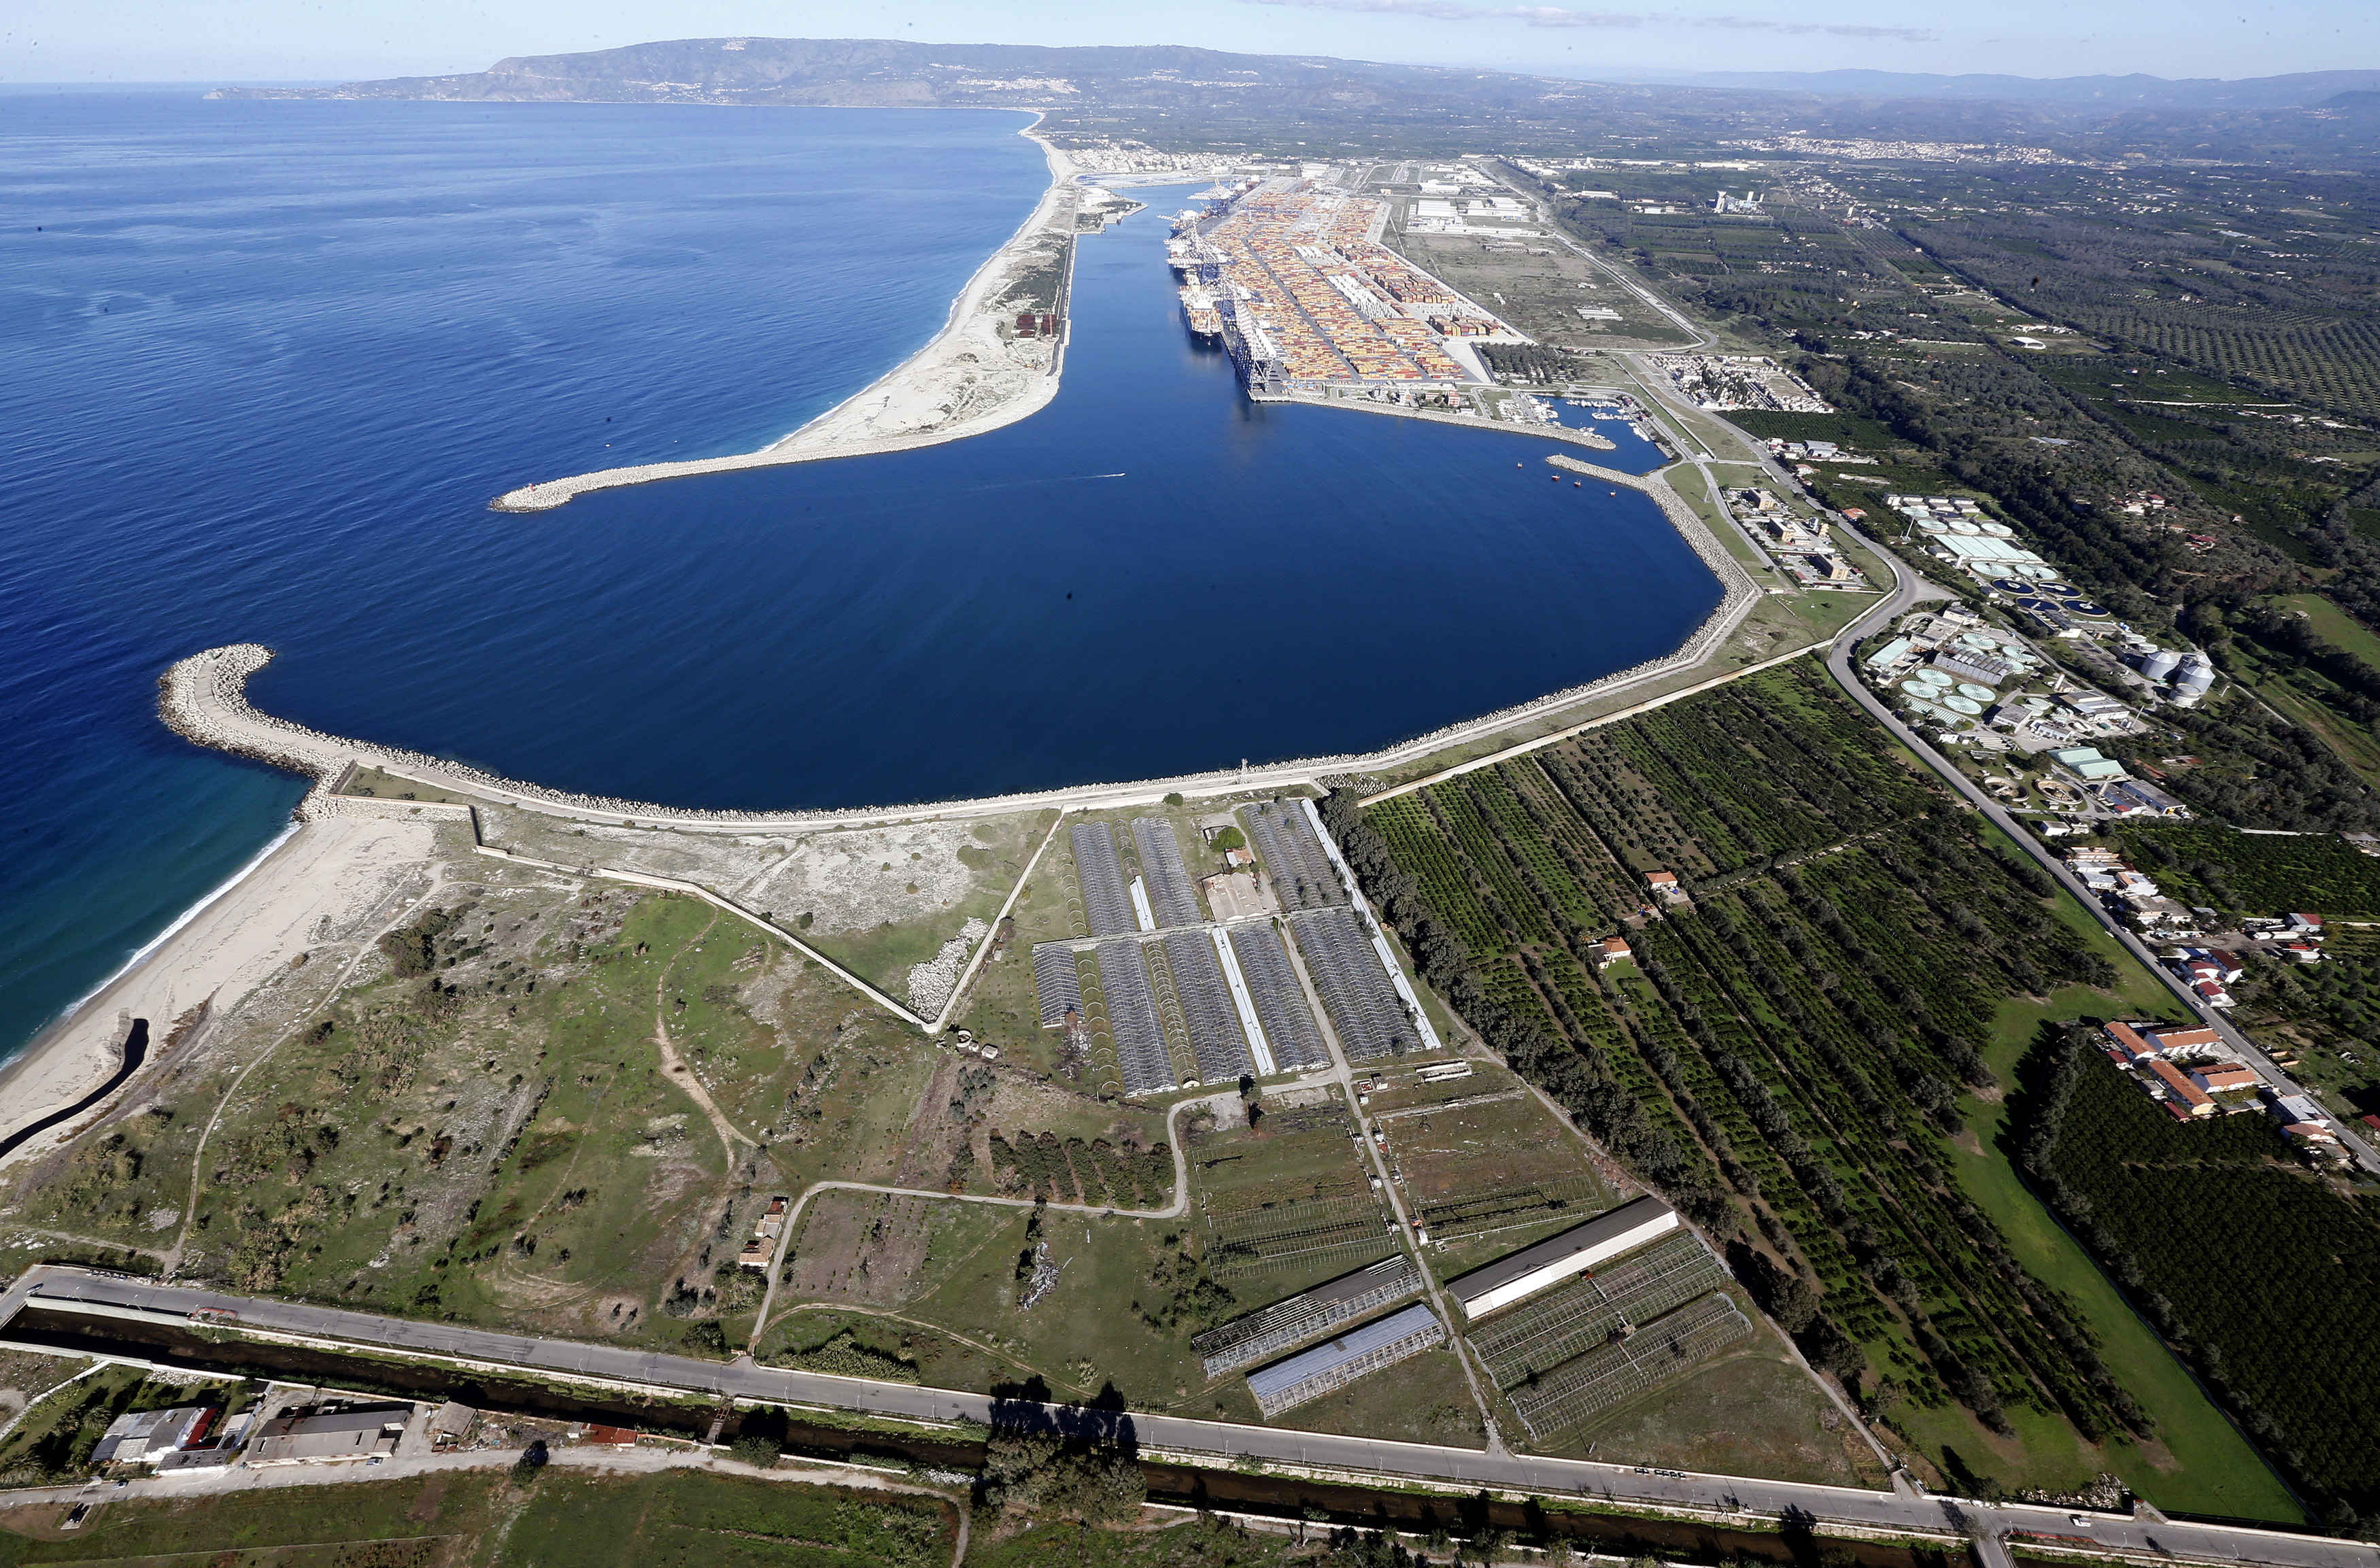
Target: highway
(103, 1298)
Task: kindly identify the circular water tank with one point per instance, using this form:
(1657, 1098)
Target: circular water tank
(1918, 688)
(1962, 705)
(1995, 531)
(1932, 678)
(2195, 673)
(1976, 693)
(2039, 574)
(2160, 662)
(2058, 589)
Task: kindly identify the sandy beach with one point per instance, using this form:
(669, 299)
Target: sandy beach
(311, 889)
(970, 379)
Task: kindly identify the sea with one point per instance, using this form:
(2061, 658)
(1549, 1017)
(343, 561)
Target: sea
(269, 360)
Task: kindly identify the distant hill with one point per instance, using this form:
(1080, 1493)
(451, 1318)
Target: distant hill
(2297, 90)
(886, 72)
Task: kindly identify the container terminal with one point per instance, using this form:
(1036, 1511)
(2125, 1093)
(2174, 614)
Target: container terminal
(1290, 276)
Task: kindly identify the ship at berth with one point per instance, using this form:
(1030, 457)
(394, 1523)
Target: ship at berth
(1290, 276)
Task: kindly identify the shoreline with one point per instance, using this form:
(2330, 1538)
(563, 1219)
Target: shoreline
(19, 1066)
(921, 376)
(314, 877)
(341, 848)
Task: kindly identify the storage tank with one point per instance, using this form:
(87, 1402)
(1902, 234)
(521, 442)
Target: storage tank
(2159, 662)
(2195, 674)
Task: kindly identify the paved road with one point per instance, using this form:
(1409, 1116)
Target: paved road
(1908, 588)
(73, 1289)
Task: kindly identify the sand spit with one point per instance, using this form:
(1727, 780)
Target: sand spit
(972, 378)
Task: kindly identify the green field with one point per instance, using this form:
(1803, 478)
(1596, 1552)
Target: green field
(2258, 874)
(493, 1519)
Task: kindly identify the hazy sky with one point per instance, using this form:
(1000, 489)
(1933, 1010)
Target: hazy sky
(293, 39)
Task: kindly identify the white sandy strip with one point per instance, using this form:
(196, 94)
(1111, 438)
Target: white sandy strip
(323, 875)
(903, 399)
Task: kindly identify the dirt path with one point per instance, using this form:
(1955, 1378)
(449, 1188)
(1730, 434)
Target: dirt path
(680, 1075)
(1174, 1210)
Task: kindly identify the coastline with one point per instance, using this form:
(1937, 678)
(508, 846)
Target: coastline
(315, 879)
(345, 857)
(908, 395)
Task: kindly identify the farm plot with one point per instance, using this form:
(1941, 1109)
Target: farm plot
(1571, 1394)
(1491, 1168)
(1365, 1009)
(1803, 1033)
(2260, 873)
(1303, 877)
(1142, 1058)
(1216, 1037)
(1543, 1333)
(1172, 895)
(1333, 1234)
(1106, 902)
(1055, 983)
(1281, 1009)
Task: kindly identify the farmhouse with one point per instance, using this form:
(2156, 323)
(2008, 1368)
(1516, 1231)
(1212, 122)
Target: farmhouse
(1574, 1252)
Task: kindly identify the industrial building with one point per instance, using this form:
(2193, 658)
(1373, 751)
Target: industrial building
(1574, 1252)
(1245, 1341)
(331, 1434)
(1311, 1374)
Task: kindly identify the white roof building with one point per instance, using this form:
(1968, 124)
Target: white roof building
(1574, 1252)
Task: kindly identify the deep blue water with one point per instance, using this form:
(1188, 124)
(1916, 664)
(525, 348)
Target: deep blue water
(268, 361)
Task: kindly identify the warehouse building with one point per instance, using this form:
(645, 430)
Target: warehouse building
(1243, 1342)
(1310, 1374)
(293, 1437)
(1560, 1257)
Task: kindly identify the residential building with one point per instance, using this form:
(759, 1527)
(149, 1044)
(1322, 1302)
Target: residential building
(147, 1436)
(2184, 1096)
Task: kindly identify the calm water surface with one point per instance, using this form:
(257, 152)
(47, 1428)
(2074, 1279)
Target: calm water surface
(272, 360)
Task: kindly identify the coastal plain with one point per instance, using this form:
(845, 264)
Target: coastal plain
(954, 1095)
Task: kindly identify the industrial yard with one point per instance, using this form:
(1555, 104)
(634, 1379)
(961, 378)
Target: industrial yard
(1291, 277)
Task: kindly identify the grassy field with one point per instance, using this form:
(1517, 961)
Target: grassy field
(1751, 1413)
(543, 1105)
(2334, 625)
(492, 1518)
